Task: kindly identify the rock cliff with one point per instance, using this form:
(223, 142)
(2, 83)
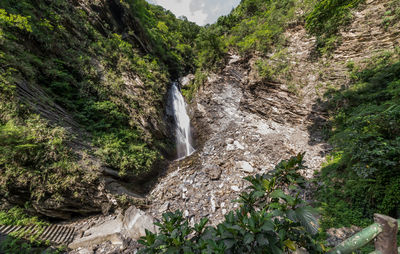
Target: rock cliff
(246, 124)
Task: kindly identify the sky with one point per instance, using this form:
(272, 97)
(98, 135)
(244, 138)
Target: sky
(201, 12)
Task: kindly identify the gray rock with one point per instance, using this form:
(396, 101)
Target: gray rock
(214, 172)
(229, 140)
(238, 145)
(136, 222)
(301, 251)
(132, 224)
(107, 230)
(213, 207)
(245, 166)
(186, 80)
(164, 207)
(230, 147)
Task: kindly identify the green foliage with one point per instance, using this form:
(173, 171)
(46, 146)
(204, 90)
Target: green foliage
(35, 157)
(172, 39)
(392, 14)
(257, 25)
(210, 49)
(268, 221)
(112, 84)
(17, 216)
(126, 152)
(14, 20)
(364, 172)
(191, 89)
(14, 243)
(277, 64)
(325, 20)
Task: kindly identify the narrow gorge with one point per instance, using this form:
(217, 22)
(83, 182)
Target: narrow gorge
(124, 129)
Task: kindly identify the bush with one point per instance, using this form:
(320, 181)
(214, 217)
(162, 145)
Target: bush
(13, 243)
(127, 152)
(35, 157)
(364, 173)
(258, 25)
(210, 49)
(18, 216)
(268, 221)
(326, 18)
(55, 48)
(277, 65)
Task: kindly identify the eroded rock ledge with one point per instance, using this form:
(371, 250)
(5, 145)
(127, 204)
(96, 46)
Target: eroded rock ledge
(235, 142)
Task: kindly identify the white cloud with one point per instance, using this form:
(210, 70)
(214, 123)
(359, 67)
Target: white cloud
(202, 12)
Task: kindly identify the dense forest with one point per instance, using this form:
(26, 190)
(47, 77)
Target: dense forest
(83, 91)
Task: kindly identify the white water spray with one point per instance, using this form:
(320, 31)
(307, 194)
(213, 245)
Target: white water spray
(182, 121)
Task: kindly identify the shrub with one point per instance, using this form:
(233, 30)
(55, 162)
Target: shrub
(13, 243)
(268, 221)
(365, 172)
(258, 29)
(35, 159)
(326, 18)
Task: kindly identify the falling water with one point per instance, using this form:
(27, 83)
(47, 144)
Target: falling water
(182, 120)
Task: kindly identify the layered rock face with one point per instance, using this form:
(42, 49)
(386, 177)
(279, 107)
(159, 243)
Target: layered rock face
(234, 142)
(246, 124)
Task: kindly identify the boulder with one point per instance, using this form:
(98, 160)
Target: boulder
(245, 166)
(184, 81)
(238, 145)
(130, 225)
(214, 172)
(136, 222)
(106, 230)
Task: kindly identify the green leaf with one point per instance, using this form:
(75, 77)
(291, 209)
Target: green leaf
(258, 194)
(266, 184)
(229, 243)
(248, 238)
(306, 217)
(268, 226)
(262, 240)
(290, 244)
(291, 214)
(200, 226)
(278, 194)
(275, 249)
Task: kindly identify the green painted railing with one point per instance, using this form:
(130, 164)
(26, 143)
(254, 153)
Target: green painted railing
(361, 239)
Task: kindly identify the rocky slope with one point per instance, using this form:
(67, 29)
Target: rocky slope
(246, 124)
(237, 142)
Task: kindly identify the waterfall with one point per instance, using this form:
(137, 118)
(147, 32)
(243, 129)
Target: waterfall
(182, 123)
